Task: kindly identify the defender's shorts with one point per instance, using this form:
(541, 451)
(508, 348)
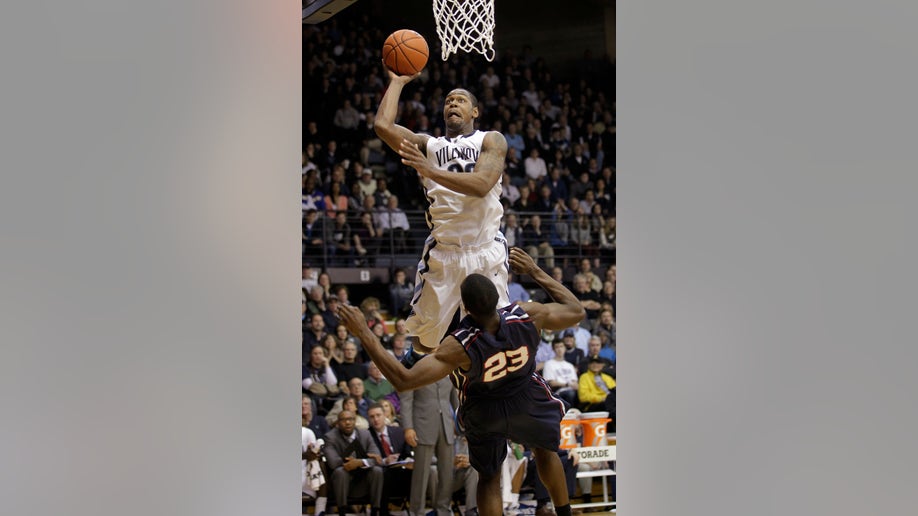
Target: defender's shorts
(532, 417)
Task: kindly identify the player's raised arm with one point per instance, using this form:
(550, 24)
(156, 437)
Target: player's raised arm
(385, 126)
(438, 364)
(487, 172)
(564, 312)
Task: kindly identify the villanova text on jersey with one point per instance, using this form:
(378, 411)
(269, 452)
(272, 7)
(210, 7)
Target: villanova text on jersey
(451, 152)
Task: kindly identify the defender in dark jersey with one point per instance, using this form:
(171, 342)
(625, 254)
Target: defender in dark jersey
(491, 359)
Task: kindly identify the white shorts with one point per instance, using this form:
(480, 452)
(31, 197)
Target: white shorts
(441, 270)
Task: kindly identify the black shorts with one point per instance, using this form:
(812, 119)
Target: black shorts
(532, 417)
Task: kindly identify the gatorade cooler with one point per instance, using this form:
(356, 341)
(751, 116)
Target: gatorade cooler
(594, 428)
(569, 432)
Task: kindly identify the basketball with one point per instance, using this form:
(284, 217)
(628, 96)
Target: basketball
(405, 52)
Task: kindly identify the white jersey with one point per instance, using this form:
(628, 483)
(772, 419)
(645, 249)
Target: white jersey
(455, 218)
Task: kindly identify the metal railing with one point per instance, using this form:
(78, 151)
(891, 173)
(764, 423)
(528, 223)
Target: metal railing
(393, 249)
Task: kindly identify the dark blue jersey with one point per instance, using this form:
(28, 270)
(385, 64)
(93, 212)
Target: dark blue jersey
(502, 396)
(503, 362)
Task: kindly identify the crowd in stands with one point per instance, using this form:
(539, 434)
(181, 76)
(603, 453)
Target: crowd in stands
(359, 202)
(560, 169)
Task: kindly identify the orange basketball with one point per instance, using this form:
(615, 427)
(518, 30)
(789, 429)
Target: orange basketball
(405, 52)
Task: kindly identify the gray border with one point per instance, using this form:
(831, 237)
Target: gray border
(766, 259)
(150, 264)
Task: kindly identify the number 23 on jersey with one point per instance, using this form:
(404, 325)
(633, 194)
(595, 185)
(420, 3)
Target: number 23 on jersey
(505, 362)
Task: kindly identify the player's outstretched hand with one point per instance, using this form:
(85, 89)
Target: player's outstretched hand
(521, 262)
(353, 318)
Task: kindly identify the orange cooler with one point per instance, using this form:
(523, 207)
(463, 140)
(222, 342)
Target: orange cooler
(569, 433)
(594, 428)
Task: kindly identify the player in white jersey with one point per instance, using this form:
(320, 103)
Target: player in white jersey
(461, 176)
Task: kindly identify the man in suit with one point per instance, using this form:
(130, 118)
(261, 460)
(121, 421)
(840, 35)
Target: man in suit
(427, 417)
(351, 455)
(391, 441)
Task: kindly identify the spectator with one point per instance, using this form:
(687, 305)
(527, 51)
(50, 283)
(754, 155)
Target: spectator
(310, 278)
(318, 377)
(313, 235)
(389, 410)
(581, 337)
(380, 332)
(391, 442)
(401, 328)
(393, 226)
(582, 235)
(340, 244)
(516, 291)
(335, 200)
(561, 375)
(400, 293)
(578, 162)
(586, 269)
(572, 353)
(370, 308)
(315, 303)
(513, 167)
(512, 230)
(366, 237)
(399, 346)
(311, 454)
(588, 298)
(354, 394)
(366, 187)
(556, 184)
(313, 198)
(346, 121)
(314, 335)
(324, 281)
(536, 242)
(465, 476)
(349, 368)
(330, 315)
(535, 166)
(318, 425)
(607, 295)
(375, 386)
(342, 336)
(582, 184)
(382, 192)
(595, 346)
(349, 456)
(607, 240)
(597, 389)
(605, 330)
(525, 202)
(559, 237)
(508, 190)
(514, 139)
(545, 203)
(489, 79)
(544, 351)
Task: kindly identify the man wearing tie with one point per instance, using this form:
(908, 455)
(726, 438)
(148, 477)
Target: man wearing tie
(391, 440)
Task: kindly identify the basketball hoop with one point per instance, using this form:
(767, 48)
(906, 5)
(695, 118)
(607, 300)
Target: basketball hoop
(466, 25)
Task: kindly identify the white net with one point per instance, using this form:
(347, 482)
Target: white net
(466, 25)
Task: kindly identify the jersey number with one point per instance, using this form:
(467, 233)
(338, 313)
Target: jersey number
(496, 367)
(455, 167)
